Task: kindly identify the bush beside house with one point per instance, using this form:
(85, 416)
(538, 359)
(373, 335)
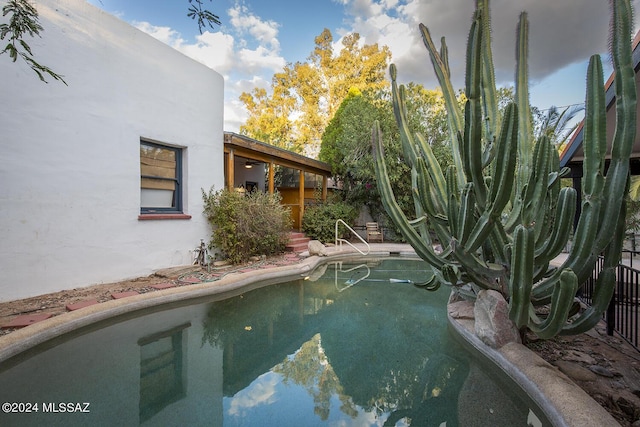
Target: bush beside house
(246, 224)
(319, 220)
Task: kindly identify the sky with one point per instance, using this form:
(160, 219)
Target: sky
(258, 38)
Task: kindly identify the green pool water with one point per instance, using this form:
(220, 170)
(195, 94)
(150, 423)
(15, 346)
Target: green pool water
(353, 344)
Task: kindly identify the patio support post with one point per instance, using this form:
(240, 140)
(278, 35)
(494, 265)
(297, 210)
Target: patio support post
(271, 177)
(301, 198)
(324, 188)
(231, 170)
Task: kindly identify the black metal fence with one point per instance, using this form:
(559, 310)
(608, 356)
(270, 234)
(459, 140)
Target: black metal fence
(622, 313)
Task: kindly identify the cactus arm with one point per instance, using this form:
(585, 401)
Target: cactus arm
(400, 113)
(538, 180)
(561, 229)
(454, 115)
(626, 126)
(541, 271)
(433, 167)
(501, 182)
(472, 142)
(431, 284)
(485, 275)
(489, 98)
(466, 218)
(524, 125)
(420, 223)
(513, 218)
(427, 192)
(444, 55)
(522, 99)
(605, 283)
(605, 203)
(504, 171)
(499, 241)
(521, 276)
(425, 251)
(426, 201)
(605, 286)
(561, 303)
(453, 207)
(580, 251)
(595, 133)
(589, 241)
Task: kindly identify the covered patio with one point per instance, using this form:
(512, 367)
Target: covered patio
(251, 165)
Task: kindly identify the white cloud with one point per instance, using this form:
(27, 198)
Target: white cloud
(215, 50)
(561, 33)
(247, 55)
(243, 21)
(247, 49)
(262, 391)
(164, 34)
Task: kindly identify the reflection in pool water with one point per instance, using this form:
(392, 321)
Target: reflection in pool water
(347, 347)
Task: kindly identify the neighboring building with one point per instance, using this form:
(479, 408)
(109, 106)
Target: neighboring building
(101, 179)
(572, 155)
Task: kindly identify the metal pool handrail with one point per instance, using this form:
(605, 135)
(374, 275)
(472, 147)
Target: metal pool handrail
(349, 283)
(338, 240)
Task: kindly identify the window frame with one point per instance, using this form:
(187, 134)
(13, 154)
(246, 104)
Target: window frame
(177, 207)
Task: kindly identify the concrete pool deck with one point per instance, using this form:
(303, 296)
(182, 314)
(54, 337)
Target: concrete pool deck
(564, 403)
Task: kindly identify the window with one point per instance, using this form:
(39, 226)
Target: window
(160, 178)
(162, 370)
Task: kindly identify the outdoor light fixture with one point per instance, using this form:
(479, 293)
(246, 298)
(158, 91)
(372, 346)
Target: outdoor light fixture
(248, 165)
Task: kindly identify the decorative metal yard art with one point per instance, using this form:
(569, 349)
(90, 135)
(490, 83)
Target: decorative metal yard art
(500, 212)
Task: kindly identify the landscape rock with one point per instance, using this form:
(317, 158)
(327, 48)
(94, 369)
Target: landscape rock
(461, 310)
(221, 263)
(575, 371)
(492, 324)
(317, 248)
(601, 371)
(578, 356)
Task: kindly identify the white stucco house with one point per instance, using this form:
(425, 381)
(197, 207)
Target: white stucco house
(101, 180)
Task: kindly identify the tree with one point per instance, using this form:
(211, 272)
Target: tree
(557, 124)
(23, 22)
(346, 143)
(305, 95)
(204, 17)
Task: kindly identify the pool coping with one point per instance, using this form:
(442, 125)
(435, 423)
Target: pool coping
(564, 403)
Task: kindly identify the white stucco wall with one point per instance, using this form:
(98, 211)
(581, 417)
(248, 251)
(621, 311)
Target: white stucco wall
(70, 157)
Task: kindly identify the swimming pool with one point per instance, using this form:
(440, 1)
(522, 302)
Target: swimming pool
(345, 346)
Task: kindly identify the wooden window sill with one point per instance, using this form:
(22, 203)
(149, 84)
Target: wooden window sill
(157, 216)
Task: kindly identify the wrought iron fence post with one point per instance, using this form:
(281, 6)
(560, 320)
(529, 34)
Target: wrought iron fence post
(611, 309)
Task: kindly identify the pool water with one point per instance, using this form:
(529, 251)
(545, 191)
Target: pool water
(351, 345)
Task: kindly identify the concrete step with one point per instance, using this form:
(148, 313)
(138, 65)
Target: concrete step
(298, 242)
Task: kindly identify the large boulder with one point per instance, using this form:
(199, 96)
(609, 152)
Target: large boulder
(317, 248)
(492, 324)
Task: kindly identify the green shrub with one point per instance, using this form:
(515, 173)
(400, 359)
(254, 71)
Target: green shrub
(246, 225)
(319, 221)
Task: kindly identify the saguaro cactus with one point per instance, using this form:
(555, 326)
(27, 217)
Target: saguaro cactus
(499, 212)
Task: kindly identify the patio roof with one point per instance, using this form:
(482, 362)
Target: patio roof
(256, 150)
(243, 147)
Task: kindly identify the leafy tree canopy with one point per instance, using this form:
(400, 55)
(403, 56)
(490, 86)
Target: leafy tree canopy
(305, 95)
(346, 143)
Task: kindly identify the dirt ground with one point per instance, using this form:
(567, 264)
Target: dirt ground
(606, 367)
